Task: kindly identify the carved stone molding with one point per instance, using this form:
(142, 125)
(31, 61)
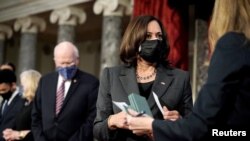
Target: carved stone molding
(113, 7)
(5, 31)
(68, 16)
(13, 9)
(30, 24)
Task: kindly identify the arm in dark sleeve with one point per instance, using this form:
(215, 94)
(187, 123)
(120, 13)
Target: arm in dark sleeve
(85, 133)
(37, 116)
(187, 101)
(104, 109)
(208, 110)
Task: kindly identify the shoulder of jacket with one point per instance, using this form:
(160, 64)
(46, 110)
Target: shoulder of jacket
(115, 68)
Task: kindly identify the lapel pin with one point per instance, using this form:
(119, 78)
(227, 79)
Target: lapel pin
(74, 80)
(163, 83)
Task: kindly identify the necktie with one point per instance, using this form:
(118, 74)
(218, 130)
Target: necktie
(5, 106)
(60, 97)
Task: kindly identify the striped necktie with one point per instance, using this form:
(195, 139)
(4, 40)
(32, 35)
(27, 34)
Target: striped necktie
(60, 97)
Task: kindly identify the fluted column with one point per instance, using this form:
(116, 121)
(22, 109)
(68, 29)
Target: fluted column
(201, 56)
(29, 27)
(5, 32)
(67, 18)
(113, 11)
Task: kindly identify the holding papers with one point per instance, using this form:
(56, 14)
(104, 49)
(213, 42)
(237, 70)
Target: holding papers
(137, 103)
(158, 102)
(121, 105)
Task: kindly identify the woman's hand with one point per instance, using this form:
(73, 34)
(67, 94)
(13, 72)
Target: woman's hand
(170, 115)
(118, 120)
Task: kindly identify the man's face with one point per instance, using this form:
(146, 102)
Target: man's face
(65, 59)
(5, 88)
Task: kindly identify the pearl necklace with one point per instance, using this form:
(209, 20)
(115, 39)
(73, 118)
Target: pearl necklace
(145, 77)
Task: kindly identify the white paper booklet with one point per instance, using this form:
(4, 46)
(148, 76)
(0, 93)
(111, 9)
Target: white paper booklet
(158, 102)
(121, 105)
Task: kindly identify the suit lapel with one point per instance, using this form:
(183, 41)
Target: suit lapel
(163, 80)
(11, 105)
(51, 92)
(73, 86)
(8, 107)
(128, 80)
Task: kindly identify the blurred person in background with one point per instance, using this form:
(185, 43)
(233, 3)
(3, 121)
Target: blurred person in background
(9, 66)
(22, 131)
(65, 103)
(12, 101)
(12, 67)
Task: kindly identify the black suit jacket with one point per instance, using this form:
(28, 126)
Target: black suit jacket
(23, 121)
(75, 120)
(171, 85)
(8, 119)
(223, 102)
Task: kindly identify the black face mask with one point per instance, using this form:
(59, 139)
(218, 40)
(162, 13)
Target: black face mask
(7, 95)
(150, 50)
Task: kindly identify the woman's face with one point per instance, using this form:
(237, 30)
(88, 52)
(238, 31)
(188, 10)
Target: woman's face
(154, 31)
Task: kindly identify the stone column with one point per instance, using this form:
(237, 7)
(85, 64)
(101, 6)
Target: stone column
(67, 19)
(113, 11)
(201, 56)
(29, 27)
(5, 32)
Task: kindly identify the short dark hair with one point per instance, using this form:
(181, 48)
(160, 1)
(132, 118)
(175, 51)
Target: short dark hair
(7, 76)
(11, 65)
(135, 35)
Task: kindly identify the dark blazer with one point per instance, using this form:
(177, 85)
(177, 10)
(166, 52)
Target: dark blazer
(75, 120)
(23, 121)
(8, 119)
(223, 102)
(171, 85)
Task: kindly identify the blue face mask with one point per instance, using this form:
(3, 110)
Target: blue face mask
(67, 72)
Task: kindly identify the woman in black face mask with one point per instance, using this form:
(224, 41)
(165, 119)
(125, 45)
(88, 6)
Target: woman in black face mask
(144, 52)
(22, 130)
